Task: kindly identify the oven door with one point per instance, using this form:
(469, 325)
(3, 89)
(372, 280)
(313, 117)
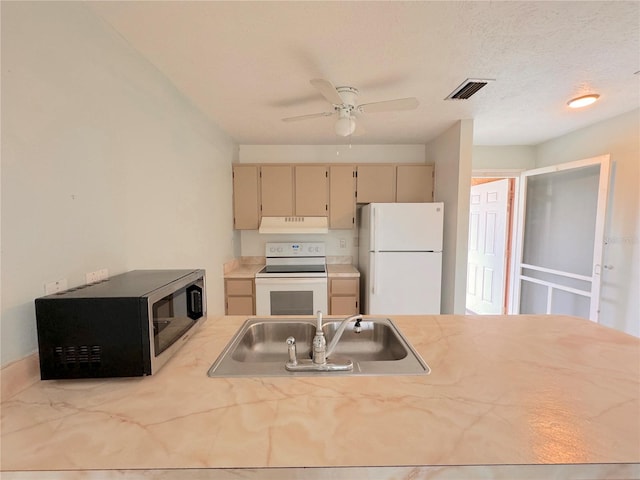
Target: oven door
(291, 296)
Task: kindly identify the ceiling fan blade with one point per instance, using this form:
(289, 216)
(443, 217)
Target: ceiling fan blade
(328, 91)
(410, 103)
(305, 117)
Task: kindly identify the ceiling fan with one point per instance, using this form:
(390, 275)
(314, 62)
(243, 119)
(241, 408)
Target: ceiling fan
(345, 107)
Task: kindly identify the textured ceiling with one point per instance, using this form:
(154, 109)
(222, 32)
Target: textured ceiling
(247, 65)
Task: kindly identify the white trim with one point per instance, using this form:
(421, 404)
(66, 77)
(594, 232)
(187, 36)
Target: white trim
(557, 272)
(518, 238)
(598, 244)
(557, 286)
(604, 161)
(497, 173)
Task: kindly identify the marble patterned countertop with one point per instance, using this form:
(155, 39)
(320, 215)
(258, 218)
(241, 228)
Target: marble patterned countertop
(505, 392)
(247, 267)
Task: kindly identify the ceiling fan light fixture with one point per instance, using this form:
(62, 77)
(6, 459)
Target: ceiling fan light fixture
(345, 126)
(583, 101)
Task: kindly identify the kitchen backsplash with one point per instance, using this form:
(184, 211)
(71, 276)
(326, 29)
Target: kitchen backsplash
(338, 243)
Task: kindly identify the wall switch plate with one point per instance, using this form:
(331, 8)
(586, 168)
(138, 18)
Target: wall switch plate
(55, 287)
(97, 276)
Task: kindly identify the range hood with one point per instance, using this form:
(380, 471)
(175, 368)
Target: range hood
(294, 225)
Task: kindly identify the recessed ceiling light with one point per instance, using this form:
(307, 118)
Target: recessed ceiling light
(583, 101)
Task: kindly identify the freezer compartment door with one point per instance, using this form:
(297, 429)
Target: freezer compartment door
(406, 226)
(403, 283)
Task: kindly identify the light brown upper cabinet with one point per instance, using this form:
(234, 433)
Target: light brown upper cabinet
(342, 197)
(276, 184)
(246, 200)
(414, 183)
(282, 190)
(376, 183)
(311, 190)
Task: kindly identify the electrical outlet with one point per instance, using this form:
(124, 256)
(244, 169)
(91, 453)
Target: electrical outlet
(103, 274)
(343, 243)
(55, 287)
(97, 276)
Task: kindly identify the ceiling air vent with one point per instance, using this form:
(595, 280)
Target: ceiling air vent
(468, 88)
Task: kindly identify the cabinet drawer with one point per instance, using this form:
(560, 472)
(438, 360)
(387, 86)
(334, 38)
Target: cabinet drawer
(344, 306)
(344, 286)
(239, 305)
(239, 286)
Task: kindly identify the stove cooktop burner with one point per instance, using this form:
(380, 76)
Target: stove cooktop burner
(294, 269)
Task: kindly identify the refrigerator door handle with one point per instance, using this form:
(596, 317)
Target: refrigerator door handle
(379, 230)
(374, 278)
(374, 229)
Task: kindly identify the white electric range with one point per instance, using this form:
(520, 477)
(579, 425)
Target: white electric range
(294, 280)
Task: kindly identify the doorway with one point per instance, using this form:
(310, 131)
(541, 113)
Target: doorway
(553, 240)
(490, 238)
(560, 238)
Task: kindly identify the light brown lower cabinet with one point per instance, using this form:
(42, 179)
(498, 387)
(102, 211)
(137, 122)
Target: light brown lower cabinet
(344, 296)
(240, 297)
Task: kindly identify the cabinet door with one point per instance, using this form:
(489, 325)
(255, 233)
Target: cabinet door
(240, 306)
(239, 286)
(311, 190)
(246, 205)
(345, 286)
(344, 305)
(344, 295)
(239, 296)
(276, 186)
(414, 183)
(342, 197)
(376, 183)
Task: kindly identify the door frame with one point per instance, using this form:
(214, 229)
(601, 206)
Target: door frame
(515, 174)
(604, 161)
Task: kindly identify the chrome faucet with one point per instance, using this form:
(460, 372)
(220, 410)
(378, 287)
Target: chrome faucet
(320, 353)
(357, 328)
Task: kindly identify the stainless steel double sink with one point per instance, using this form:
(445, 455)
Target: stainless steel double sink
(259, 349)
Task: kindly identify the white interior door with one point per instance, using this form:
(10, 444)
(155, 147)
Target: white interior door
(487, 247)
(561, 214)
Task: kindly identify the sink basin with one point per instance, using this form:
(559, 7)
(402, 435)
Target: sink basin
(259, 349)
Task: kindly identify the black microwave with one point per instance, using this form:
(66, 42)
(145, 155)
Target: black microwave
(126, 326)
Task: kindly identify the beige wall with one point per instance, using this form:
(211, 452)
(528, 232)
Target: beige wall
(331, 153)
(104, 165)
(508, 157)
(451, 152)
(620, 137)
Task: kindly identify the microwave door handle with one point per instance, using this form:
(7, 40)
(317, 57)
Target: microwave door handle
(196, 301)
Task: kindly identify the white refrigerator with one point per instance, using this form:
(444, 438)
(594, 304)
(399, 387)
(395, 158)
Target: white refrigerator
(400, 258)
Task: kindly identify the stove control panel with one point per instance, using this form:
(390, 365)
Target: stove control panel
(294, 249)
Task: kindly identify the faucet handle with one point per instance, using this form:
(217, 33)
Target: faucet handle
(291, 348)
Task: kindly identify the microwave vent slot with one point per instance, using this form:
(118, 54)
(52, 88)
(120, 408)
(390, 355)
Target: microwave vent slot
(78, 356)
